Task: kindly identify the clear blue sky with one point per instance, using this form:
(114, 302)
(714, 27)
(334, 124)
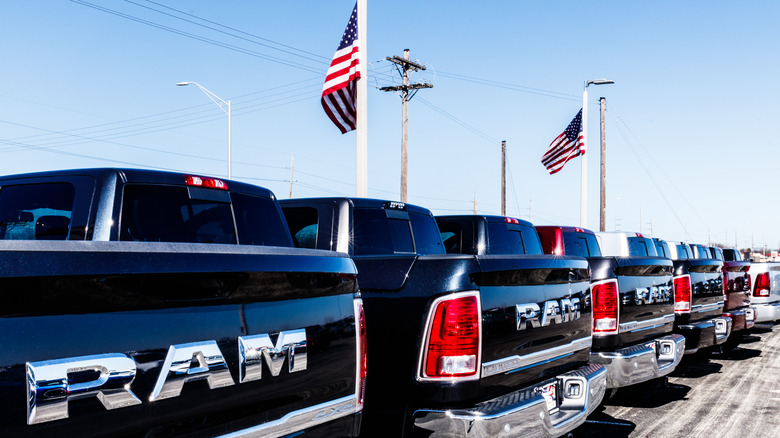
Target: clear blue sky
(690, 119)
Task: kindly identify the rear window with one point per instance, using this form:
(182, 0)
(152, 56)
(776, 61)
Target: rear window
(156, 213)
(427, 239)
(581, 244)
(508, 238)
(683, 252)
(661, 248)
(731, 255)
(702, 252)
(375, 233)
(258, 221)
(36, 211)
(641, 246)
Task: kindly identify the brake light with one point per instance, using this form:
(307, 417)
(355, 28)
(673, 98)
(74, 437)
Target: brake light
(511, 220)
(452, 348)
(361, 350)
(682, 294)
(762, 285)
(747, 283)
(202, 181)
(605, 307)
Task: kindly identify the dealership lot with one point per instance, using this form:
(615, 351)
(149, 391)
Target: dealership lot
(736, 393)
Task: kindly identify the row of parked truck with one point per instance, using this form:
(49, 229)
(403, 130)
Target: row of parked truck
(144, 303)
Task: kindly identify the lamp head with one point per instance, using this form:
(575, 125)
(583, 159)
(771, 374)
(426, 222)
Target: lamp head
(181, 84)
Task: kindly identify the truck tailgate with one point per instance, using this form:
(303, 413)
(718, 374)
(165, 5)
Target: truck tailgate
(646, 298)
(536, 314)
(123, 338)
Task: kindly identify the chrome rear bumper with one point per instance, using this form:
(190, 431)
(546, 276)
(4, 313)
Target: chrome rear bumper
(521, 413)
(646, 361)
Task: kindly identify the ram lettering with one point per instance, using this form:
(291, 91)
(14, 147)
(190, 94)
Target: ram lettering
(561, 311)
(49, 389)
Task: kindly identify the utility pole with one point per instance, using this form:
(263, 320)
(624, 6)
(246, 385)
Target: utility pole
(503, 177)
(475, 202)
(530, 202)
(292, 161)
(403, 65)
(603, 215)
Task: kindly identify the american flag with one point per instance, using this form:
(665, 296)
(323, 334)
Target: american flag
(340, 89)
(565, 146)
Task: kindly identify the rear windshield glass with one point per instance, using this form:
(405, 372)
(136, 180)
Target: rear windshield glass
(732, 256)
(641, 246)
(512, 239)
(375, 233)
(661, 248)
(683, 251)
(36, 211)
(259, 222)
(427, 239)
(581, 244)
(154, 213)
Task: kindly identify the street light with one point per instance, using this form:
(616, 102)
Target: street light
(584, 173)
(221, 104)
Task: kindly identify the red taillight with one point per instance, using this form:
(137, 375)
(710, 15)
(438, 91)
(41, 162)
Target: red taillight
(762, 285)
(511, 220)
(747, 283)
(361, 350)
(454, 338)
(682, 294)
(605, 307)
(202, 181)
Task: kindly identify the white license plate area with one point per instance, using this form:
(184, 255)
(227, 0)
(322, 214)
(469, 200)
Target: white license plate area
(549, 392)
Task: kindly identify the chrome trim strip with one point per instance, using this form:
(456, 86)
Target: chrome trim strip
(299, 420)
(706, 307)
(513, 363)
(646, 324)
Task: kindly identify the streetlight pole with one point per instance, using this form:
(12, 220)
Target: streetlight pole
(225, 107)
(584, 171)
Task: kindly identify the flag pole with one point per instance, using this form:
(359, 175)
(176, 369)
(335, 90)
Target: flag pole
(361, 177)
(584, 172)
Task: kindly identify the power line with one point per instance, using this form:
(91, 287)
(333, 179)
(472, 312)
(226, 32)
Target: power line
(199, 38)
(319, 58)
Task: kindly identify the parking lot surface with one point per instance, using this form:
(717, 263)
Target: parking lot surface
(736, 393)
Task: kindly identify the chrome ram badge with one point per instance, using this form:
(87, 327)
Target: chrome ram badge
(49, 389)
(655, 294)
(560, 311)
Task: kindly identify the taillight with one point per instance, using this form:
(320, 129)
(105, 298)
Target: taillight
(361, 352)
(682, 294)
(452, 347)
(202, 181)
(747, 283)
(762, 285)
(605, 306)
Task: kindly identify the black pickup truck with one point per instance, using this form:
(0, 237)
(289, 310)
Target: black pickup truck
(698, 297)
(465, 344)
(633, 307)
(156, 304)
(736, 288)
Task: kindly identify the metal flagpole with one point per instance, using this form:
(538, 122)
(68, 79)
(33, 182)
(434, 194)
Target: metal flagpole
(584, 172)
(361, 177)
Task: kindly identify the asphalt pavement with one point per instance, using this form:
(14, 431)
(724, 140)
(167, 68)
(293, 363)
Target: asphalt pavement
(736, 393)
